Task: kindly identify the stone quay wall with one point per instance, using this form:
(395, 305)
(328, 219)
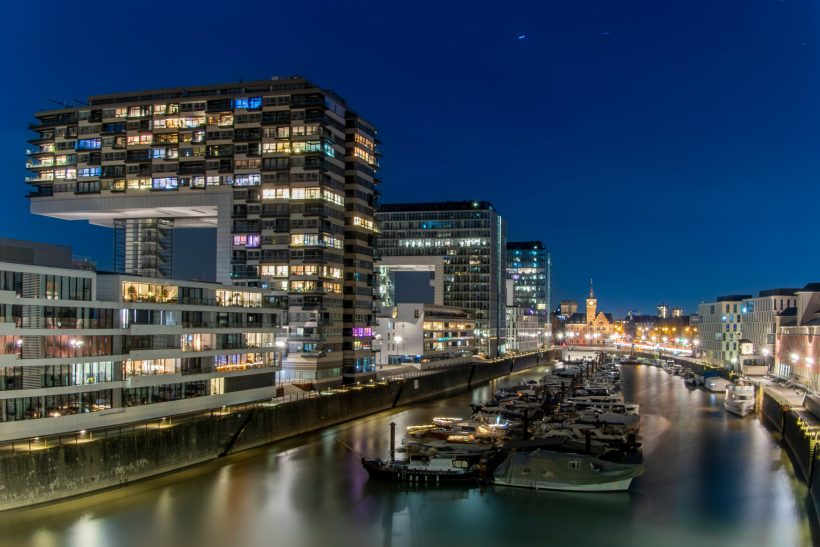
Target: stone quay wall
(96, 462)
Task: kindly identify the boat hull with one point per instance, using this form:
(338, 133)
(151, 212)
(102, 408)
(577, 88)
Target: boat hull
(615, 486)
(739, 409)
(384, 471)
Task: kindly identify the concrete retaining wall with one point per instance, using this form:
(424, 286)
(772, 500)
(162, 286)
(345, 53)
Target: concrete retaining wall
(38, 476)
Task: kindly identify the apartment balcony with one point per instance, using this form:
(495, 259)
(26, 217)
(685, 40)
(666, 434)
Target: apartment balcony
(42, 192)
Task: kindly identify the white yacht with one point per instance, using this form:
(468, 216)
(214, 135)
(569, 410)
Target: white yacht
(740, 398)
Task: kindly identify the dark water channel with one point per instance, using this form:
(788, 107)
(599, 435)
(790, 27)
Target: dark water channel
(711, 480)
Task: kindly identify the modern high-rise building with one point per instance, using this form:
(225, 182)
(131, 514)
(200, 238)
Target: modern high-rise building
(663, 311)
(281, 168)
(528, 266)
(469, 239)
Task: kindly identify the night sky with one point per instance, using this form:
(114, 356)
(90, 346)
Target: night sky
(668, 149)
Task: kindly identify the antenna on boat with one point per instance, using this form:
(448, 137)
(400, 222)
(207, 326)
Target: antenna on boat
(392, 441)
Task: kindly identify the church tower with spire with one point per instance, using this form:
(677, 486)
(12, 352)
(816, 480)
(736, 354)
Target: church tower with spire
(592, 304)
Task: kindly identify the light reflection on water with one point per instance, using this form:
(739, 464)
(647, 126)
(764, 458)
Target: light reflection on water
(711, 480)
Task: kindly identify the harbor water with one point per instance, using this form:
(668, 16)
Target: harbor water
(711, 479)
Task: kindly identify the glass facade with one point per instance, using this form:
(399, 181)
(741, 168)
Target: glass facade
(470, 237)
(78, 344)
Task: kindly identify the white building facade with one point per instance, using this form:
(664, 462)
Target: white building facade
(424, 333)
(81, 350)
(721, 329)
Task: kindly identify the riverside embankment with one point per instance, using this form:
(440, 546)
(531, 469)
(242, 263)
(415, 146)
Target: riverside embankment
(38, 472)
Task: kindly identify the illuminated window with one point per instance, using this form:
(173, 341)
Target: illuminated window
(310, 192)
(363, 154)
(302, 286)
(363, 222)
(142, 138)
(89, 144)
(276, 193)
(64, 174)
(333, 288)
(139, 184)
(332, 197)
(89, 172)
(361, 139)
(247, 180)
(165, 183)
(275, 270)
(249, 241)
(304, 270)
(248, 103)
(301, 240)
(301, 147)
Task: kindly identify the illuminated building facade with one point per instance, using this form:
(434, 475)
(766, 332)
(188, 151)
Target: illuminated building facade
(591, 329)
(281, 169)
(80, 350)
(424, 333)
(798, 338)
(470, 238)
(528, 266)
(759, 316)
(721, 329)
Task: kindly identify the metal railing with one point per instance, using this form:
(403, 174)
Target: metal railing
(29, 444)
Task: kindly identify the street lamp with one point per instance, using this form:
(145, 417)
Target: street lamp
(398, 340)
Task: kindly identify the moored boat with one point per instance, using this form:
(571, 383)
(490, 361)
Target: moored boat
(568, 471)
(421, 469)
(740, 398)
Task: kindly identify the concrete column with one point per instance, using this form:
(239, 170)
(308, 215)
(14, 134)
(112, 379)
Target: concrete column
(144, 246)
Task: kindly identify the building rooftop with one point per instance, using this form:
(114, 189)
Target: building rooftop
(733, 297)
(32, 253)
(525, 246)
(436, 206)
(272, 85)
(811, 287)
(778, 292)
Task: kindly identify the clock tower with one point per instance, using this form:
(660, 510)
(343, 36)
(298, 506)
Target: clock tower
(592, 304)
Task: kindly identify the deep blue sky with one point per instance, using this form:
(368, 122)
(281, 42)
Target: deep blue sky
(669, 149)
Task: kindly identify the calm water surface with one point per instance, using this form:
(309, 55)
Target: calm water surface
(711, 480)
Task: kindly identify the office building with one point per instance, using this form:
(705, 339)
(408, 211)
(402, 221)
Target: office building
(663, 311)
(676, 312)
(720, 329)
(758, 317)
(525, 331)
(528, 266)
(468, 239)
(81, 350)
(418, 334)
(283, 171)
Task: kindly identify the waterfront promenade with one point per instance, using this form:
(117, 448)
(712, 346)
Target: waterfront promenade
(43, 469)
